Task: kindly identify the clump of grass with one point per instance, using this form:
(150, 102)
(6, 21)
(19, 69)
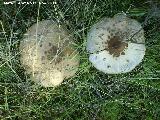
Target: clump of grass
(90, 94)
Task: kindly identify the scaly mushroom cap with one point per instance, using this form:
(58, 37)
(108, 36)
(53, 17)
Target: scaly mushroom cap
(47, 53)
(116, 45)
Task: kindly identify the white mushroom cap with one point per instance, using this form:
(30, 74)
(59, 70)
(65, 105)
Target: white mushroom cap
(48, 56)
(116, 45)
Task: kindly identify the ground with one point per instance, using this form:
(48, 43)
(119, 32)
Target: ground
(90, 95)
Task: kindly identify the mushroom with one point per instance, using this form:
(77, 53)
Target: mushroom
(48, 54)
(116, 45)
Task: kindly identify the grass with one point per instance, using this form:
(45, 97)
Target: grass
(90, 95)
